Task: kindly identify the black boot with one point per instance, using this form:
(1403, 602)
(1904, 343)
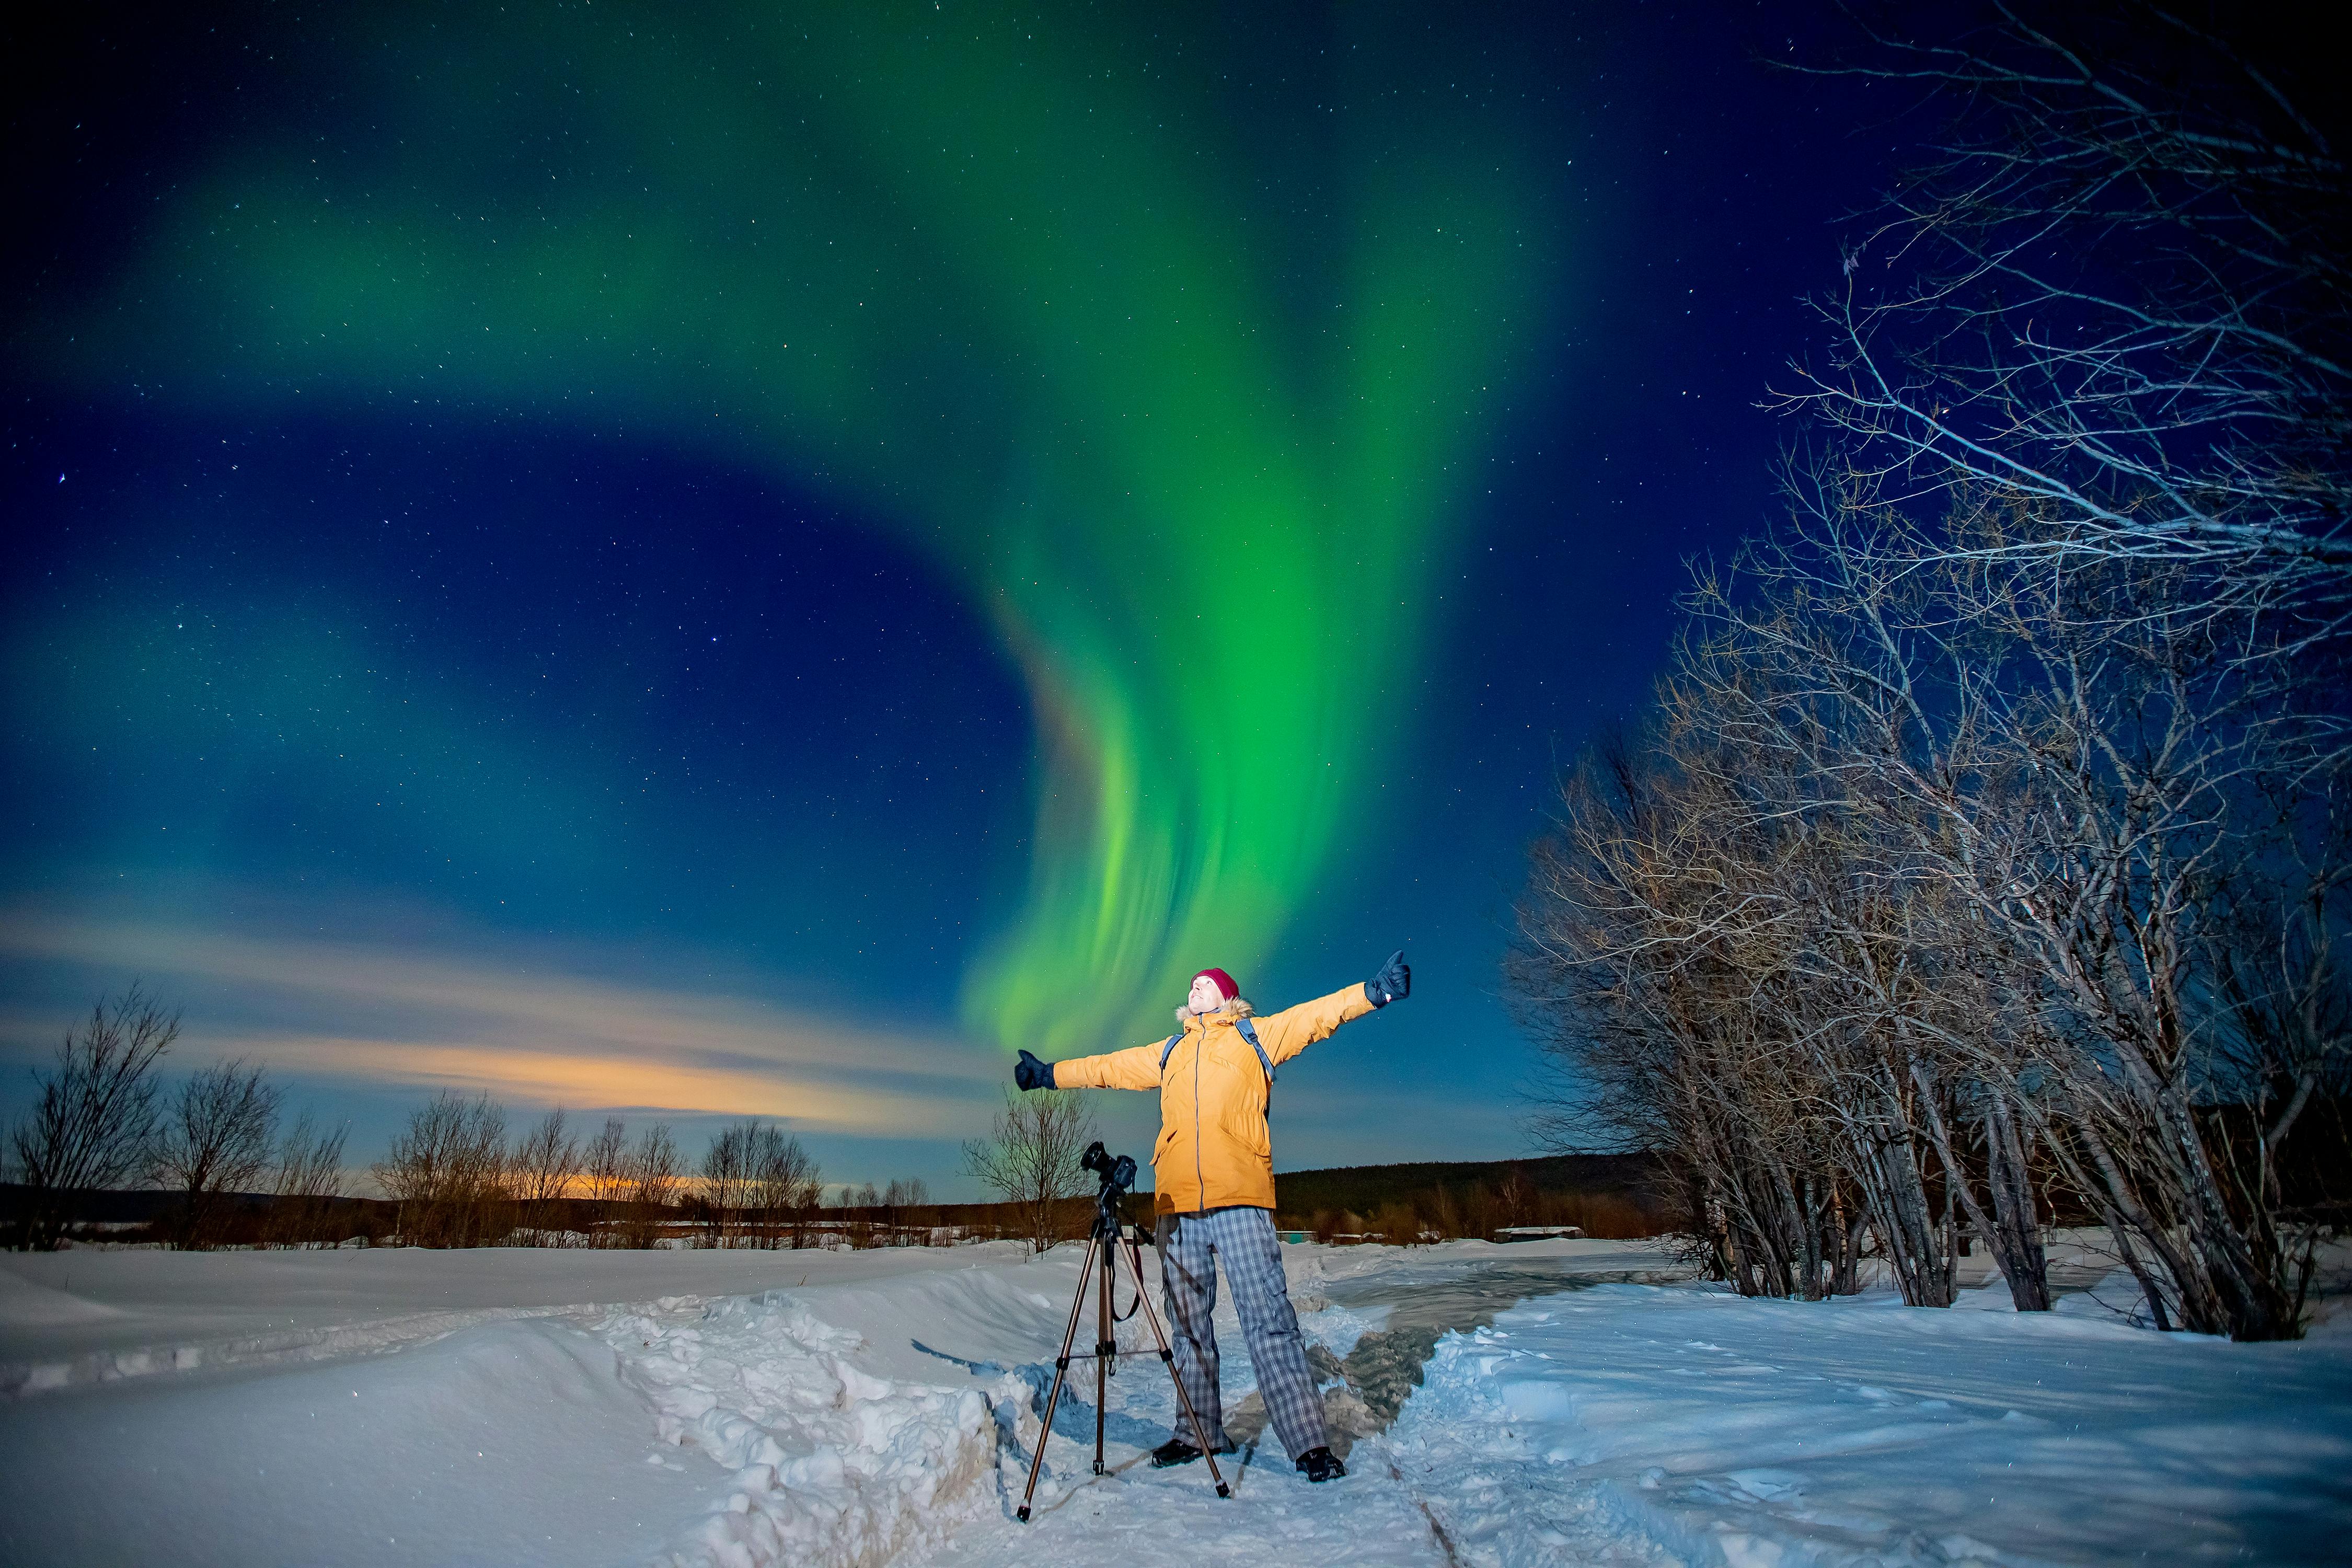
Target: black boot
(1321, 1464)
(1176, 1451)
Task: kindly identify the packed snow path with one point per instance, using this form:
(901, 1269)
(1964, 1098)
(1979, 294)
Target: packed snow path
(863, 1408)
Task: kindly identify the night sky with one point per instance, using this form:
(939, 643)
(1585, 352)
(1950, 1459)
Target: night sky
(720, 559)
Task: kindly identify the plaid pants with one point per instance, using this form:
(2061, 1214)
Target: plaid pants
(1244, 1238)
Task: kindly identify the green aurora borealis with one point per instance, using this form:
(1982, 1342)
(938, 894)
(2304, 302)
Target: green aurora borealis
(1181, 377)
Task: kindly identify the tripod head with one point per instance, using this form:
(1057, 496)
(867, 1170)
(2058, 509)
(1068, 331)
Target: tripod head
(1117, 1176)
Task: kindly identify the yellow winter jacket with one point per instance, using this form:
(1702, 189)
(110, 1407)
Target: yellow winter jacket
(1214, 1151)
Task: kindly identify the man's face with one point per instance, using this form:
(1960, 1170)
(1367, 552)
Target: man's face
(1205, 997)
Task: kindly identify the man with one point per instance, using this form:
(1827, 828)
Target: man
(1213, 1166)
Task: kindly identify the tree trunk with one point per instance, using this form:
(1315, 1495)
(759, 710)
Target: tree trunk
(2015, 1241)
(2016, 1235)
(1908, 1229)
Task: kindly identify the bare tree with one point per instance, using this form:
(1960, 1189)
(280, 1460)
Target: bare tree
(605, 1161)
(726, 1174)
(545, 1163)
(218, 1134)
(94, 1121)
(2078, 755)
(861, 1208)
(1923, 875)
(1986, 835)
(2117, 289)
(905, 1208)
(652, 1173)
(1666, 945)
(308, 1180)
(446, 1170)
(606, 1165)
(1030, 1160)
(782, 1188)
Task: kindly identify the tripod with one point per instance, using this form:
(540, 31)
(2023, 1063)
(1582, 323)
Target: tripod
(1102, 1247)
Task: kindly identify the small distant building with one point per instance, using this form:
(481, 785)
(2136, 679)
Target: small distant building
(1537, 1232)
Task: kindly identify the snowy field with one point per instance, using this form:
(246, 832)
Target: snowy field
(857, 1408)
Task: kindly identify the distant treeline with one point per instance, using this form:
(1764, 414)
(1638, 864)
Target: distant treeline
(161, 1216)
(155, 1215)
(1602, 1194)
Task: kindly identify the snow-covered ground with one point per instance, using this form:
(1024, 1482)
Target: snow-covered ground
(855, 1408)
(1622, 1423)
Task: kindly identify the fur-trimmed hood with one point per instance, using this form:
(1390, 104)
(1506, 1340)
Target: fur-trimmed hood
(1232, 1007)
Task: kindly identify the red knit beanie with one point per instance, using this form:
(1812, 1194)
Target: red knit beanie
(1225, 986)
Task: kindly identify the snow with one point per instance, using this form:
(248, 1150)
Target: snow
(90, 1314)
(1638, 1425)
(509, 1443)
(858, 1409)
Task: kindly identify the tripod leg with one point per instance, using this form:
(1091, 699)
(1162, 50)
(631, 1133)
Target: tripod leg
(1168, 1360)
(1061, 1370)
(1105, 1346)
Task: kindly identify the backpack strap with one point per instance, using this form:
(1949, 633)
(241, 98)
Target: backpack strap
(1249, 1032)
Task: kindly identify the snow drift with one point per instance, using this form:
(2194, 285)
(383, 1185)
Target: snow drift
(855, 1409)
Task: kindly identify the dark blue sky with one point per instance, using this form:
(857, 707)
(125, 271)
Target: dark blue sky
(399, 737)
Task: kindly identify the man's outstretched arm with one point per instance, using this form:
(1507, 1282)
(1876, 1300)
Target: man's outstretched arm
(1138, 1067)
(1292, 1030)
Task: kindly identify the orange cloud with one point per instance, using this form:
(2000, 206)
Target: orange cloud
(555, 1077)
(527, 1034)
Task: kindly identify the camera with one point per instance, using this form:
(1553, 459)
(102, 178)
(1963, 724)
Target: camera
(1117, 1176)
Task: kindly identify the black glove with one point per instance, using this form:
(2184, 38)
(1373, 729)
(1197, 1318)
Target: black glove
(1031, 1073)
(1393, 983)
